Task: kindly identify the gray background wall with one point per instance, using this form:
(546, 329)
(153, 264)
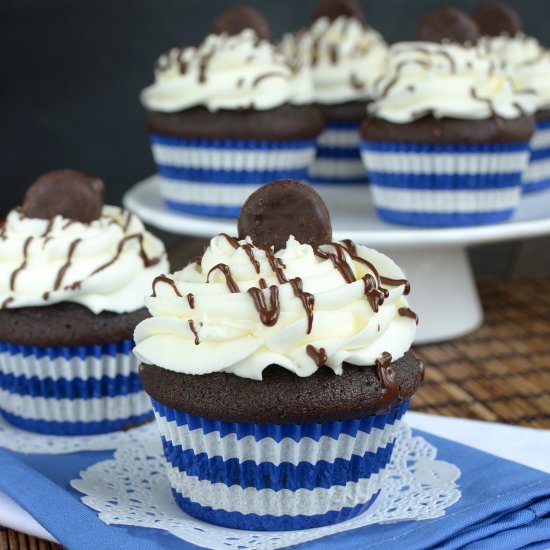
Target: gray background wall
(71, 71)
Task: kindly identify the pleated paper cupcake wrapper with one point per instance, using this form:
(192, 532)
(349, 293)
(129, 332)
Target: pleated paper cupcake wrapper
(213, 177)
(445, 185)
(276, 476)
(338, 156)
(72, 390)
(537, 174)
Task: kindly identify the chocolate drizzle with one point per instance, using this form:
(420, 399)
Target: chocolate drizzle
(268, 316)
(267, 300)
(397, 282)
(408, 312)
(338, 260)
(147, 262)
(203, 65)
(485, 100)
(67, 224)
(422, 369)
(388, 380)
(49, 227)
(333, 54)
(250, 253)
(66, 265)
(166, 280)
(374, 294)
(355, 83)
(231, 240)
(231, 283)
(128, 220)
(23, 263)
(319, 356)
(398, 70)
(308, 300)
(6, 302)
(263, 76)
(276, 264)
(350, 247)
(182, 65)
(194, 331)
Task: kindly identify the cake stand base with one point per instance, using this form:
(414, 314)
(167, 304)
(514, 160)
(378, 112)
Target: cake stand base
(445, 295)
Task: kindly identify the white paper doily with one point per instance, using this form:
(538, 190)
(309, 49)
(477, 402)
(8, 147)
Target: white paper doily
(22, 441)
(132, 489)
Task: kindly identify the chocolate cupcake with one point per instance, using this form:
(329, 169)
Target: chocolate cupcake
(527, 63)
(279, 368)
(345, 57)
(73, 274)
(227, 116)
(446, 141)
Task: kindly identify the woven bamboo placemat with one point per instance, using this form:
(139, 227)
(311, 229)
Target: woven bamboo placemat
(500, 372)
(11, 540)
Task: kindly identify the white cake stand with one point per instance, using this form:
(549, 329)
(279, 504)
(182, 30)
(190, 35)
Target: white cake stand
(435, 260)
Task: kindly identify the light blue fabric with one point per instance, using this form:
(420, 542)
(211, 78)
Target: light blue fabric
(504, 506)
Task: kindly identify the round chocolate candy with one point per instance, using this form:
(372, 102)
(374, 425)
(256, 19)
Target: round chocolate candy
(494, 19)
(66, 193)
(234, 20)
(448, 24)
(283, 208)
(338, 8)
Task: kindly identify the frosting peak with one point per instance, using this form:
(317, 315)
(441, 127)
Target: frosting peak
(525, 61)
(243, 307)
(345, 58)
(445, 80)
(226, 72)
(105, 265)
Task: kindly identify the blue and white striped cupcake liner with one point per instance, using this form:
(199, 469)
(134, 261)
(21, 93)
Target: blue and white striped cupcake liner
(72, 390)
(213, 177)
(445, 185)
(537, 174)
(274, 477)
(338, 157)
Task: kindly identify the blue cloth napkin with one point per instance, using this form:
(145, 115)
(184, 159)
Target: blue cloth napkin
(504, 505)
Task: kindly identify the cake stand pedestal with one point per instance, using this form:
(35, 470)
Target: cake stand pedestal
(435, 261)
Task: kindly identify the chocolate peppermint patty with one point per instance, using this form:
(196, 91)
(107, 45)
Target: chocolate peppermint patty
(66, 324)
(283, 397)
(287, 122)
(449, 130)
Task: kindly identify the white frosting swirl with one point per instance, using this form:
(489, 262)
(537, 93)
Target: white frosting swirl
(526, 62)
(226, 72)
(445, 80)
(106, 265)
(199, 326)
(345, 57)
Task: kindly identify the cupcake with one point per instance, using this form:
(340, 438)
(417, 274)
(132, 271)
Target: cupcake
(73, 274)
(279, 368)
(345, 58)
(227, 116)
(527, 63)
(446, 141)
